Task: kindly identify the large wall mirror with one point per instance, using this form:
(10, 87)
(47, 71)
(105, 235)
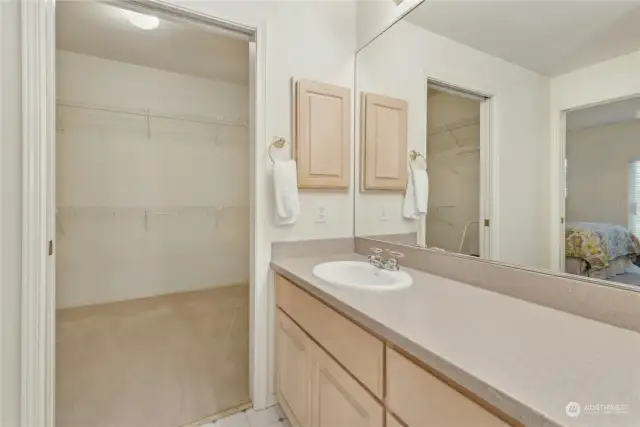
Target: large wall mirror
(506, 131)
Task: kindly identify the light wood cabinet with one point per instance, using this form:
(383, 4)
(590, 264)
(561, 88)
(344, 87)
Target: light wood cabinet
(329, 373)
(293, 371)
(422, 400)
(356, 349)
(313, 389)
(383, 148)
(337, 399)
(322, 135)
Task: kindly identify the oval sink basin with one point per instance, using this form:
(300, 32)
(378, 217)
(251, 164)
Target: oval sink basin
(357, 274)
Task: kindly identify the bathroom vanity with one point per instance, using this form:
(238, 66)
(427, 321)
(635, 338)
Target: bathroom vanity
(441, 353)
(332, 372)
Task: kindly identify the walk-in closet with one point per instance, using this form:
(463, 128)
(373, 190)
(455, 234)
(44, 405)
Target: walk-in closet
(153, 232)
(453, 161)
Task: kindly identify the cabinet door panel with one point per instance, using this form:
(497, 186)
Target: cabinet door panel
(322, 135)
(338, 400)
(293, 369)
(384, 143)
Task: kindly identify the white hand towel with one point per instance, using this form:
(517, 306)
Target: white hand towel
(285, 185)
(416, 198)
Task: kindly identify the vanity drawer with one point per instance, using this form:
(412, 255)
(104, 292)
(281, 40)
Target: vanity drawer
(357, 350)
(422, 400)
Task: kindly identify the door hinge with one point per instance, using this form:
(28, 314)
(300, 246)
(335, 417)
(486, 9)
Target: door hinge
(50, 247)
(561, 220)
(486, 223)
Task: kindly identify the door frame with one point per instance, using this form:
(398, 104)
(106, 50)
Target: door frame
(558, 191)
(37, 399)
(488, 166)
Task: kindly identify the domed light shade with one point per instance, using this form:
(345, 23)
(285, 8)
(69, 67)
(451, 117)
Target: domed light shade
(140, 20)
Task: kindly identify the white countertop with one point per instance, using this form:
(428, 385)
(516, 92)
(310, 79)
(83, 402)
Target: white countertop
(528, 360)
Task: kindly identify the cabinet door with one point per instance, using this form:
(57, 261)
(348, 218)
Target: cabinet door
(338, 400)
(358, 351)
(293, 369)
(384, 156)
(322, 135)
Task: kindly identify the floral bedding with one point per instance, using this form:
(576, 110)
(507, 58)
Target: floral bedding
(599, 243)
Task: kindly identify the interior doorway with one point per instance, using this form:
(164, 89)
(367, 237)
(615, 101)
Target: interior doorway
(152, 226)
(459, 171)
(600, 186)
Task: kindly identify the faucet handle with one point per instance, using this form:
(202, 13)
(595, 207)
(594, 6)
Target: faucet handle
(376, 251)
(392, 263)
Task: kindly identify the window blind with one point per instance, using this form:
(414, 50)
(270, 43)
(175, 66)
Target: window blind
(634, 197)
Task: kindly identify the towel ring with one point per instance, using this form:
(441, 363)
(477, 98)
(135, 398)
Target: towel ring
(278, 142)
(413, 156)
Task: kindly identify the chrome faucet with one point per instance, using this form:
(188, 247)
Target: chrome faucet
(390, 263)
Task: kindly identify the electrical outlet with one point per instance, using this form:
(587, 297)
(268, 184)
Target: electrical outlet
(383, 215)
(320, 215)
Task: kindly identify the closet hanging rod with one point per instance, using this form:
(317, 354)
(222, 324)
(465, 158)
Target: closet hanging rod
(143, 113)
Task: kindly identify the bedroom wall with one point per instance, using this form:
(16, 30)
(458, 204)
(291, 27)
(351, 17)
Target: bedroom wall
(453, 160)
(520, 125)
(597, 172)
(145, 211)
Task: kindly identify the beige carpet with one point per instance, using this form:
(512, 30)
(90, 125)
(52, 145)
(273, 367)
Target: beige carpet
(155, 362)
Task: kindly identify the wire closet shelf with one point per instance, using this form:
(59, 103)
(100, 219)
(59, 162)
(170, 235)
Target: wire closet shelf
(218, 121)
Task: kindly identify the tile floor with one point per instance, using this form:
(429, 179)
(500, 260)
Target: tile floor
(270, 417)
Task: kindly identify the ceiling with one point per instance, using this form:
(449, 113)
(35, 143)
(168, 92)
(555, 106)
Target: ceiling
(605, 114)
(549, 37)
(101, 30)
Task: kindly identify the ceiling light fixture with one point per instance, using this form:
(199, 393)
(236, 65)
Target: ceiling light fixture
(140, 20)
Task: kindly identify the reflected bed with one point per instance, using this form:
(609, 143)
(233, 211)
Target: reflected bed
(599, 250)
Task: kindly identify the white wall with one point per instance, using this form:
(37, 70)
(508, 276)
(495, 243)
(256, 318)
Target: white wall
(191, 178)
(597, 174)
(397, 64)
(605, 81)
(453, 162)
(10, 212)
(375, 16)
